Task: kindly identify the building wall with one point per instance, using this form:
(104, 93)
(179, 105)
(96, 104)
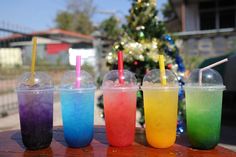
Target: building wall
(209, 46)
(10, 57)
(43, 57)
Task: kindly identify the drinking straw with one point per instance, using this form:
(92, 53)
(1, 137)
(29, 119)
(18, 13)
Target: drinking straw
(120, 67)
(208, 67)
(162, 69)
(34, 51)
(78, 67)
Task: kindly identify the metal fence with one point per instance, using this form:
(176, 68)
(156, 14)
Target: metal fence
(8, 101)
(8, 80)
(12, 66)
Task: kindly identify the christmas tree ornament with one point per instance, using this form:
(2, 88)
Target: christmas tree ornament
(144, 38)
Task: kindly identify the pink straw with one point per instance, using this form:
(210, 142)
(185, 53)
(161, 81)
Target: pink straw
(78, 67)
(120, 67)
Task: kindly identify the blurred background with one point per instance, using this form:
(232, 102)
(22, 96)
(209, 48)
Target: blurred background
(192, 33)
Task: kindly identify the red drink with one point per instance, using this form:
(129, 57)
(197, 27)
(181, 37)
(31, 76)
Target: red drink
(120, 107)
(120, 115)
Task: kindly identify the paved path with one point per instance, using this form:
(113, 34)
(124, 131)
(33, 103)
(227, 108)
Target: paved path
(7, 84)
(6, 99)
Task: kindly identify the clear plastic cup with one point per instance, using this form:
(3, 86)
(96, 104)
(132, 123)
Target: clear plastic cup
(120, 107)
(203, 108)
(160, 108)
(35, 110)
(77, 106)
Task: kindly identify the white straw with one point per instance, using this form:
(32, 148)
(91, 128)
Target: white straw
(208, 67)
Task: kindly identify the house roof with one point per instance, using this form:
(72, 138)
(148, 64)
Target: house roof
(55, 31)
(55, 34)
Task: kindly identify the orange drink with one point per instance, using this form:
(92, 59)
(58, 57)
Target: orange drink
(160, 108)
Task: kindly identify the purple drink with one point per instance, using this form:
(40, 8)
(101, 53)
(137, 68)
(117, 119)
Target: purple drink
(36, 114)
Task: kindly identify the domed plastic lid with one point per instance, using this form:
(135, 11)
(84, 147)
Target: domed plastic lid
(68, 81)
(111, 81)
(152, 80)
(210, 79)
(42, 81)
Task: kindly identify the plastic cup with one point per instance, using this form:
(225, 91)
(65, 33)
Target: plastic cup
(35, 110)
(120, 107)
(160, 108)
(77, 106)
(203, 108)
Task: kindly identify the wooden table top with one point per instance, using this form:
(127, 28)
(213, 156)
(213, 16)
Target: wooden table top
(11, 145)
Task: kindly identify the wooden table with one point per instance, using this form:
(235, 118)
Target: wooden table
(11, 145)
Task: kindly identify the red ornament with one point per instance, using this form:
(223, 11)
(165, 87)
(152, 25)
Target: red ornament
(169, 66)
(135, 62)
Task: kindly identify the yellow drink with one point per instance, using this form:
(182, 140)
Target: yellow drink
(160, 108)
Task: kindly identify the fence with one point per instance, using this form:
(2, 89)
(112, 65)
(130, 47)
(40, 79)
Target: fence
(12, 66)
(8, 79)
(52, 57)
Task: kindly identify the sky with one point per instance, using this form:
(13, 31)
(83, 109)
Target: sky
(40, 14)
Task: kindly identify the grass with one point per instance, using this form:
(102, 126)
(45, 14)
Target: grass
(6, 91)
(3, 114)
(9, 73)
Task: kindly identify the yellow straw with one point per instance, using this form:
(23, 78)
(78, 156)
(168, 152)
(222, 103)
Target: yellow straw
(162, 69)
(34, 48)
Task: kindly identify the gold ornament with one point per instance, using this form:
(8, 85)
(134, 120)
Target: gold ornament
(153, 2)
(139, 1)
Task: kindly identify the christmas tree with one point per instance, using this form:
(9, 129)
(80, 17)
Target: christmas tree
(143, 39)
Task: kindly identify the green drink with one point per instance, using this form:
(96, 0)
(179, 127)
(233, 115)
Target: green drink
(203, 111)
(203, 116)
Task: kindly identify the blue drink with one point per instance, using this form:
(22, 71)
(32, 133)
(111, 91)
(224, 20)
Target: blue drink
(78, 116)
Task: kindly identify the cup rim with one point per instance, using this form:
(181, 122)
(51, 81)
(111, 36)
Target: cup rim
(133, 88)
(196, 86)
(160, 88)
(34, 90)
(77, 89)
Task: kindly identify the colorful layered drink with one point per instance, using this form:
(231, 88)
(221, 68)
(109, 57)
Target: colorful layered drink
(36, 110)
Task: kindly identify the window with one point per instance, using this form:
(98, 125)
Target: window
(226, 3)
(217, 14)
(207, 20)
(227, 18)
(207, 5)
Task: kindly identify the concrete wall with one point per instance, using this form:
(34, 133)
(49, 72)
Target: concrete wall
(10, 57)
(209, 47)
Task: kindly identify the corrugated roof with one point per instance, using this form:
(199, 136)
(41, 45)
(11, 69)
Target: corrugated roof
(51, 32)
(63, 32)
